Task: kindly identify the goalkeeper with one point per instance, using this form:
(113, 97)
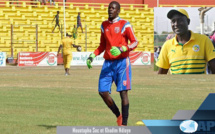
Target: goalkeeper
(115, 33)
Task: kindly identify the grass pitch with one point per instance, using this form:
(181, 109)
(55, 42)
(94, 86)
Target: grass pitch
(34, 100)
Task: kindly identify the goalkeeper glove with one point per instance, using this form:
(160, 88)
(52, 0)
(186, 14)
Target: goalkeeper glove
(115, 51)
(90, 60)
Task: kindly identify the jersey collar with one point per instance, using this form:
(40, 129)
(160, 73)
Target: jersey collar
(191, 38)
(115, 20)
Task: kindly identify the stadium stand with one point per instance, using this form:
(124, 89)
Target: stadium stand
(19, 23)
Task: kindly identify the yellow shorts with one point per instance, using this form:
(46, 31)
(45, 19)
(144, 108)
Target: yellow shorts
(67, 60)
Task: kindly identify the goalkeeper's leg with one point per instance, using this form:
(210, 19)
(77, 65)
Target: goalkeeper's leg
(105, 82)
(125, 107)
(111, 104)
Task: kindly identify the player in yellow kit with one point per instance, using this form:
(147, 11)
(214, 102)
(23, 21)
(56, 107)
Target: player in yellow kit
(67, 45)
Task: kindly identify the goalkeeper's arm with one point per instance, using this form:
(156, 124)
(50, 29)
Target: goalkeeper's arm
(90, 60)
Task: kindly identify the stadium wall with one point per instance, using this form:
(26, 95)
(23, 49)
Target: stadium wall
(101, 1)
(107, 1)
(150, 3)
(153, 3)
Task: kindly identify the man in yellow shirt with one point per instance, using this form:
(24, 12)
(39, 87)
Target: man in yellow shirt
(187, 52)
(67, 45)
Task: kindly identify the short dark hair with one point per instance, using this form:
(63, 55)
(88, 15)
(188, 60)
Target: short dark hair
(117, 3)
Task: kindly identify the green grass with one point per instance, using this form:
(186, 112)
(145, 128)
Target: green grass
(34, 100)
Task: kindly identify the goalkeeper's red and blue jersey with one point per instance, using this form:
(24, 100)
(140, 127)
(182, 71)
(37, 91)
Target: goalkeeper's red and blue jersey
(116, 33)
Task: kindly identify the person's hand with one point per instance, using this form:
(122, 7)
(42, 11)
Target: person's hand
(115, 51)
(90, 60)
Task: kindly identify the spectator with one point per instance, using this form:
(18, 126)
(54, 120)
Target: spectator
(74, 32)
(155, 53)
(42, 1)
(212, 37)
(155, 58)
(56, 18)
(159, 50)
(11, 3)
(187, 52)
(79, 22)
(52, 1)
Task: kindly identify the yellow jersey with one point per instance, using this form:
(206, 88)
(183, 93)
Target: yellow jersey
(188, 58)
(67, 45)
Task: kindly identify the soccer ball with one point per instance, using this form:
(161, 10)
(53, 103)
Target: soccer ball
(79, 48)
